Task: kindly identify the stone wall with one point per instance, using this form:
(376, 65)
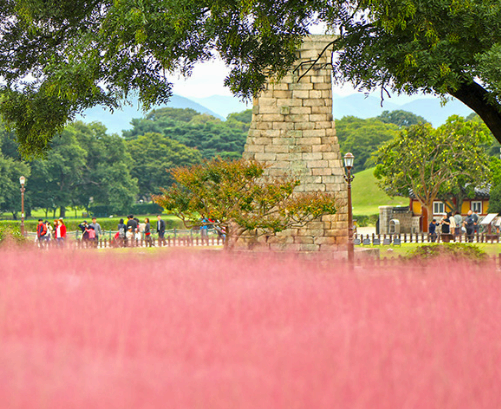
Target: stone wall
(402, 214)
(292, 130)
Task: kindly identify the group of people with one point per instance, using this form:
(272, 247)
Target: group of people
(454, 225)
(132, 232)
(90, 232)
(47, 232)
(129, 233)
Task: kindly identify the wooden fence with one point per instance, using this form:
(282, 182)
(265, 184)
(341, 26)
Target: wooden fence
(178, 241)
(398, 239)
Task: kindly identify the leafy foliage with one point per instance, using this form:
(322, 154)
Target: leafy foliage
(401, 118)
(451, 251)
(81, 54)
(363, 137)
(153, 154)
(59, 58)
(210, 136)
(440, 47)
(11, 236)
(236, 197)
(434, 162)
(11, 168)
(495, 199)
(83, 162)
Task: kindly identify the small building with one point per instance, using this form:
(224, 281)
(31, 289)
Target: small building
(478, 204)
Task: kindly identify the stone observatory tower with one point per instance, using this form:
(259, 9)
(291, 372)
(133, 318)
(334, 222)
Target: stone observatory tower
(293, 131)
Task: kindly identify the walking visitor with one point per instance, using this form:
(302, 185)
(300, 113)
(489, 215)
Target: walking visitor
(97, 229)
(161, 229)
(432, 231)
(147, 232)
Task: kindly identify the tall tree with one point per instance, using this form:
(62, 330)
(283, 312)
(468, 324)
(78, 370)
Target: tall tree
(210, 136)
(237, 199)
(77, 54)
(153, 155)
(363, 137)
(81, 53)
(432, 163)
(107, 176)
(59, 174)
(10, 196)
(448, 48)
(400, 118)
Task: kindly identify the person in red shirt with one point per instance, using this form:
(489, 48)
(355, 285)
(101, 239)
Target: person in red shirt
(60, 232)
(41, 233)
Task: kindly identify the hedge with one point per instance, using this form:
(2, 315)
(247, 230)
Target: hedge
(137, 209)
(72, 224)
(364, 220)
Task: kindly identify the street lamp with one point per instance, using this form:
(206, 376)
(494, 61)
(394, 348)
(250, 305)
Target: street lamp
(22, 181)
(348, 163)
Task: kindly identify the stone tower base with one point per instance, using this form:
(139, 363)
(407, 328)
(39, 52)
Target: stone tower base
(293, 131)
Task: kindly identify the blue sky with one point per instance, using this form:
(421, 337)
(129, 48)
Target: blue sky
(208, 80)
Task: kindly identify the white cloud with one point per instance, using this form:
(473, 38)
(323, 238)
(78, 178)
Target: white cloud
(207, 80)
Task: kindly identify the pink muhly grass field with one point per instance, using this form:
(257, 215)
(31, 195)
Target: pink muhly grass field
(184, 330)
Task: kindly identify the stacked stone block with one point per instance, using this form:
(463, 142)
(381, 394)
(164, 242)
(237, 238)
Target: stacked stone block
(293, 131)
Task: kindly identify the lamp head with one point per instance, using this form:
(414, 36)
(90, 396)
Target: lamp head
(348, 160)
(22, 180)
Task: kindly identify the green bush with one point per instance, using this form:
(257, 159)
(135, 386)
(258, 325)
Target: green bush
(106, 223)
(11, 235)
(137, 209)
(146, 208)
(364, 220)
(454, 251)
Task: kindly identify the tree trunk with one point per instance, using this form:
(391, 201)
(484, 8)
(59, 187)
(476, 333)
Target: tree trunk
(459, 203)
(62, 211)
(429, 211)
(229, 240)
(475, 96)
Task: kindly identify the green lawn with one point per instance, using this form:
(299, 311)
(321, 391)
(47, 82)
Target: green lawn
(492, 249)
(367, 196)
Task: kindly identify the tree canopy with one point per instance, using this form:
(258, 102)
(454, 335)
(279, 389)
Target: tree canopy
(60, 57)
(88, 167)
(153, 155)
(448, 48)
(237, 199)
(434, 163)
(400, 118)
(363, 137)
(210, 136)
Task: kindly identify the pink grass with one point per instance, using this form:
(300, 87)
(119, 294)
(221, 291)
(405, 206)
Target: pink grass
(87, 330)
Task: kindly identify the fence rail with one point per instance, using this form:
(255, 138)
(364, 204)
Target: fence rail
(107, 240)
(397, 239)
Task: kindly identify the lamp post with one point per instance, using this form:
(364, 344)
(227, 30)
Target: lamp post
(22, 181)
(348, 163)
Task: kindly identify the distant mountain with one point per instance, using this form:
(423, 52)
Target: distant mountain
(223, 105)
(429, 108)
(432, 110)
(120, 119)
(220, 106)
(360, 106)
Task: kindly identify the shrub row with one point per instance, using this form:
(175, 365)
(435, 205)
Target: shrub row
(72, 224)
(364, 220)
(137, 209)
